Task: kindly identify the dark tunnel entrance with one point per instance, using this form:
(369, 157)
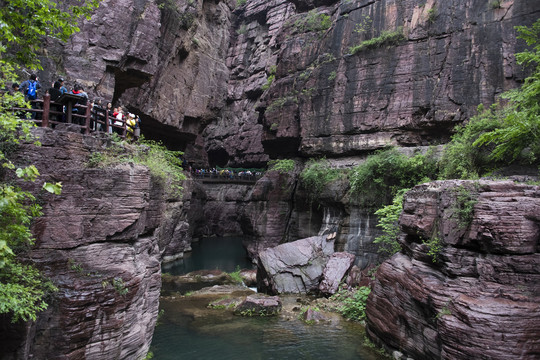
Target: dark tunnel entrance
(218, 157)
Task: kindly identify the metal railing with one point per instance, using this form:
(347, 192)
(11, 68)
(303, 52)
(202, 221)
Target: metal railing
(47, 113)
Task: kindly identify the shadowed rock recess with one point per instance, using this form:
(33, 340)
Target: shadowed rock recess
(236, 84)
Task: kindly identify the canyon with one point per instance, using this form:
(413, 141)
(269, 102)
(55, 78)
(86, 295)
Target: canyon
(238, 84)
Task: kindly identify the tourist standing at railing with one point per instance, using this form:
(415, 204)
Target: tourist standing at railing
(119, 121)
(15, 88)
(137, 132)
(55, 93)
(109, 110)
(79, 91)
(63, 89)
(30, 89)
(130, 126)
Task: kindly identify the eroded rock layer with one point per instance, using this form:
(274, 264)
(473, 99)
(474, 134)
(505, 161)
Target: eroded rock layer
(99, 244)
(463, 287)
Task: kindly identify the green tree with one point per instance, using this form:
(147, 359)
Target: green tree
(23, 23)
(521, 119)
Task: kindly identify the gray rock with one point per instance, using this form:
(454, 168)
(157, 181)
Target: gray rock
(259, 305)
(294, 267)
(334, 271)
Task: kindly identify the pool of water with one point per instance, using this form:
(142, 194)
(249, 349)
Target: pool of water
(188, 329)
(212, 253)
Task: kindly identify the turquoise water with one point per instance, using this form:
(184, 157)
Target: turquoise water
(189, 330)
(212, 253)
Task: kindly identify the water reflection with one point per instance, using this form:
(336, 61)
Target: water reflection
(223, 253)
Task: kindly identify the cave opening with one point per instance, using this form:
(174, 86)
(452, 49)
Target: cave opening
(218, 157)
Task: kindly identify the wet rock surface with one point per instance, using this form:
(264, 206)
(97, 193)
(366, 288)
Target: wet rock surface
(479, 297)
(259, 305)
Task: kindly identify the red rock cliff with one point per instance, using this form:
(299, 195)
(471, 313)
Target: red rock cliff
(480, 298)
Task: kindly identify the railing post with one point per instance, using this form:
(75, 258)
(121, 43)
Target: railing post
(46, 110)
(107, 126)
(124, 132)
(88, 116)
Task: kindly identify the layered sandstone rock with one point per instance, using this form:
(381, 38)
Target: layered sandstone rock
(98, 243)
(238, 84)
(478, 296)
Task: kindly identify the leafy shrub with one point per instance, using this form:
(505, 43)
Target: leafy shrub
(387, 37)
(463, 208)
(383, 174)
(269, 82)
(164, 165)
(283, 166)
(432, 15)
(235, 275)
(353, 302)
(317, 174)
(280, 102)
(521, 126)
(313, 22)
(464, 159)
(332, 75)
(388, 222)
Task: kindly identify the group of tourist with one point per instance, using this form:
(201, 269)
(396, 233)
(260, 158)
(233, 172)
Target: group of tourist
(226, 174)
(117, 116)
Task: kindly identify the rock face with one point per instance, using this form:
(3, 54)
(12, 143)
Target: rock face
(294, 267)
(334, 271)
(98, 243)
(237, 85)
(259, 305)
(478, 295)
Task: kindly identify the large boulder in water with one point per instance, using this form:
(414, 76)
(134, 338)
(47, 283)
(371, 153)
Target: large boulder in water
(294, 267)
(336, 268)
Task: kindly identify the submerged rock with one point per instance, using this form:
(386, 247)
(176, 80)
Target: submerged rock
(313, 315)
(295, 267)
(193, 281)
(259, 305)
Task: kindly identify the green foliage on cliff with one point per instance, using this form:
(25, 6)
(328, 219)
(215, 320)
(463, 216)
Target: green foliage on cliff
(520, 130)
(388, 222)
(313, 22)
(386, 172)
(24, 23)
(387, 37)
(283, 166)
(462, 159)
(502, 134)
(164, 165)
(463, 208)
(317, 174)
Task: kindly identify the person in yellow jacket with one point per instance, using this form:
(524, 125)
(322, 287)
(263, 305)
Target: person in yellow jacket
(130, 126)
